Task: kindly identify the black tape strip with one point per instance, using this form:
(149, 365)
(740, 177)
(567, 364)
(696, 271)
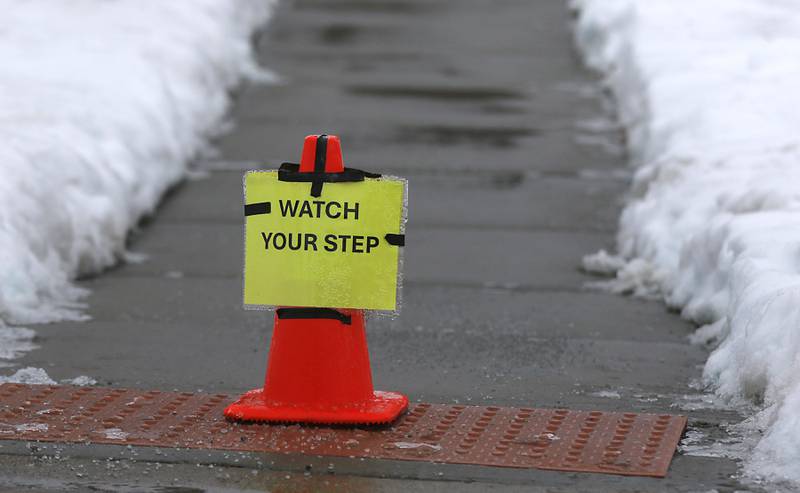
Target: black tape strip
(396, 240)
(311, 313)
(316, 188)
(257, 208)
(291, 172)
(320, 156)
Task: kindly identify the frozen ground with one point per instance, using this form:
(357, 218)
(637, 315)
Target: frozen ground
(102, 104)
(708, 93)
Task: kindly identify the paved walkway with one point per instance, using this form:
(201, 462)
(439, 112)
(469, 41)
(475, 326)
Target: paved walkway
(514, 174)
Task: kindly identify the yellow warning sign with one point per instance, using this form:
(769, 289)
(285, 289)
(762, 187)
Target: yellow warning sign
(338, 250)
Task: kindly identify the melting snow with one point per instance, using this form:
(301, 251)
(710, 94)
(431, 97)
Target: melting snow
(417, 445)
(115, 434)
(31, 427)
(608, 394)
(38, 376)
(552, 437)
(80, 381)
(29, 375)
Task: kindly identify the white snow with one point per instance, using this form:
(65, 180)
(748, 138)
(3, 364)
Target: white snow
(8, 429)
(29, 375)
(80, 381)
(38, 376)
(115, 434)
(37, 427)
(417, 445)
(708, 92)
(14, 341)
(102, 105)
(607, 394)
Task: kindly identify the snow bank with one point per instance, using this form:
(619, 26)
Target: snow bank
(708, 92)
(102, 104)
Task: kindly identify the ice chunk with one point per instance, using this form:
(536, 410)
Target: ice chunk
(80, 381)
(40, 427)
(607, 394)
(417, 445)
(29, 375)
(115, 434)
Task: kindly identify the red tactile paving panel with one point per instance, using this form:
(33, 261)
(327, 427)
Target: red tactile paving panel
(557, 439)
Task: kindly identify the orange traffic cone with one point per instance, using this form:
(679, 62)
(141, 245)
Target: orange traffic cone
(318, 369)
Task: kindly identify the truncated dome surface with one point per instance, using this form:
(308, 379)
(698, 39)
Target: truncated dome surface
(557, 439)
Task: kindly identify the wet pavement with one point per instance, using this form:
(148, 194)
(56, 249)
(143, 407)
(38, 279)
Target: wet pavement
(515, 171)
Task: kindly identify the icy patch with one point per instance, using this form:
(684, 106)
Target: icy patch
(713, 219)
(694, 402)
(690, 439)
(737, 443)
(81, 381)
(130, 257)
(40, 427)
(698, 444)
(102, 104)
(416, 445)
(21, 428)
(29, 375)
(134, 401)
(606, 394)
(550, 437)
(115, 434)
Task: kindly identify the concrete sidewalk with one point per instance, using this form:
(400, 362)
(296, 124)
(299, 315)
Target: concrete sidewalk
(514, 174)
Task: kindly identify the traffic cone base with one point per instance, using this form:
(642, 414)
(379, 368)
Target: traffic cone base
(384, 407)
(318, 372)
